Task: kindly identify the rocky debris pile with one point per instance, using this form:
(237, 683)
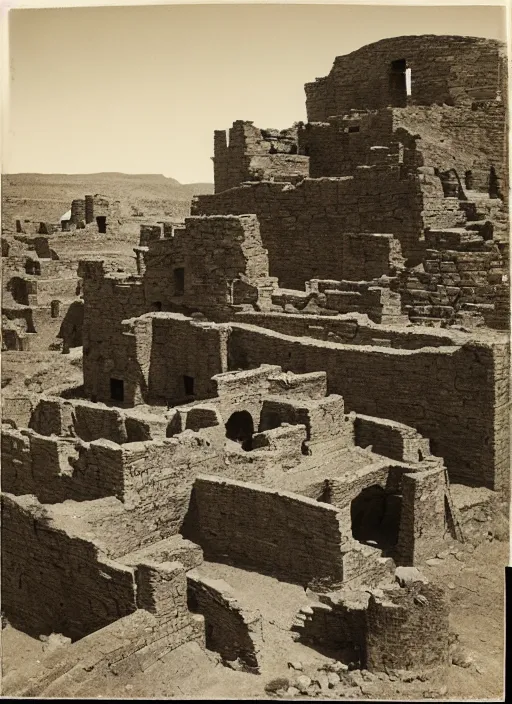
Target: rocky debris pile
(336, 680)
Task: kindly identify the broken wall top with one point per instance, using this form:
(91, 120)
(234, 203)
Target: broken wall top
(444, 69)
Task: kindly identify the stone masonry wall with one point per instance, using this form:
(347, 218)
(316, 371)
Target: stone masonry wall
(444, 69)
(465, 138)
(108, 301)
(56, 469)
(42, 593)
(304, 227)
(286, 535)
(434, 391)
(231, 630)
(252, 153)
(405, 634)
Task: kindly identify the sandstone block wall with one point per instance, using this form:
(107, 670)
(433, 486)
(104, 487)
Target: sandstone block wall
(176, 350)
(403, 629)
(423, 519)
(62, 584)
(324, 419)
(286, 535)
(231, 629)
(132, 644)
(461, 423)
(56, 469)
(444, 69)
(352, 329)
(304, 227)
(336, 622)
(391, 439)
(251, 154)
(108, 301)
(406, 634)
(232, 267)
(474, 139)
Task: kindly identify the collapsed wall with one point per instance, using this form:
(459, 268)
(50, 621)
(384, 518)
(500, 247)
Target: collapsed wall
(379, 628)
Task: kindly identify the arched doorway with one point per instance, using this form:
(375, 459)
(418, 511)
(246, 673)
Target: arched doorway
(375, 516)
(240, 428)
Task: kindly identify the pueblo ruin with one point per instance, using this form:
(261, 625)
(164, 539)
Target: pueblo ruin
(304, 383)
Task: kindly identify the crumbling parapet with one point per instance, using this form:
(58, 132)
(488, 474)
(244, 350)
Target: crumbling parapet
(397, 627)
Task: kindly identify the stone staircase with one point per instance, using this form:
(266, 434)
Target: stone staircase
(462, 279)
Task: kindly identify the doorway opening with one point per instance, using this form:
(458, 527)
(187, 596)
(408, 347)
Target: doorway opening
(117, 390)
(101, 221)
(240, 428)
(179, 281)
(188, 383)
(375, 517)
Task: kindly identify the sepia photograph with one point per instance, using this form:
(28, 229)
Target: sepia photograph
(255, 362)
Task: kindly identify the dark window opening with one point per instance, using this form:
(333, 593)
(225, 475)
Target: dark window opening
(375, 517)
(293, 149)
(117, 389)
(179, 281)
(157, 305)
(240, 428)
(494, 184)
(188, 383)
(101, 221)
(354, 128)
(468, 180)
(32, 267)
(450, 183)
(55, 309)
(306, 151)
(269, 420)
(398, 83)
(325, 496)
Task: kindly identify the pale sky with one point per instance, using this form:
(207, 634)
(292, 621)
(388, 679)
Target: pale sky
(141, 89)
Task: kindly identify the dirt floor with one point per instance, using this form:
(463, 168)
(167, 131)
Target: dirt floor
(38, 372)
(473, 577)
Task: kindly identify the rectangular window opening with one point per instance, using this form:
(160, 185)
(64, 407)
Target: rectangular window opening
(117, 389)
(188, 382)
(398, 83)
(179, 281)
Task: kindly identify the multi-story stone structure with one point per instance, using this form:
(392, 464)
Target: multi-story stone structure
(265, 393)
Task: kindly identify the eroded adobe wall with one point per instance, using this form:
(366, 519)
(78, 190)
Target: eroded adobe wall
(286, 535)
(444, 69)
(447, 394)
(62, 584)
